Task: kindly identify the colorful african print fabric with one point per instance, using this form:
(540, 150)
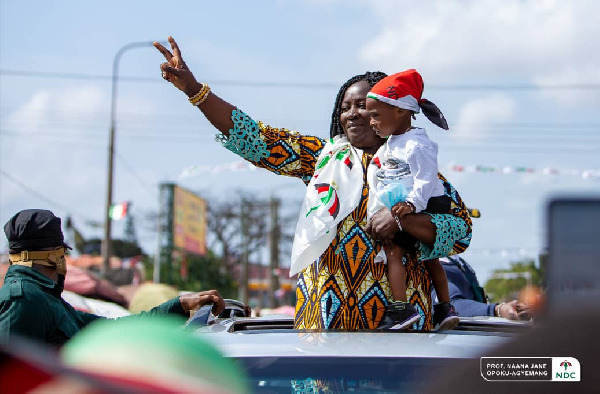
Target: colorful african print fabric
(346, 289)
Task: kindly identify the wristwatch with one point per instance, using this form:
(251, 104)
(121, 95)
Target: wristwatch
(497, 309)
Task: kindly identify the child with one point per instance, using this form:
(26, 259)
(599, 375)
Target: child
(406, 181)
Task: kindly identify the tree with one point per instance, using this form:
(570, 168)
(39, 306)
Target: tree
(229, 238)
(198, 273)
(506, 284)
(120, 248)
(130, 233)
(224, 222)
(75, 235)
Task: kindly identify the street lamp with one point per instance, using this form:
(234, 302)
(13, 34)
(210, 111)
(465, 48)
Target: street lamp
(106, 244)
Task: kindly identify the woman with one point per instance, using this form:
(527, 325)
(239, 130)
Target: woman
(344, 288)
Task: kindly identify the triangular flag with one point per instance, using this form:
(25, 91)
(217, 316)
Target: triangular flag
(118, 211)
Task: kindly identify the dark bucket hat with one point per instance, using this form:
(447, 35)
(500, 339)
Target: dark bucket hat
(34, 229)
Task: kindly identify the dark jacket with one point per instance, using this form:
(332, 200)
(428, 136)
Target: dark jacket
(31, 306)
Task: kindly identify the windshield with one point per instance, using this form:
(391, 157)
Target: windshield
(343, 374)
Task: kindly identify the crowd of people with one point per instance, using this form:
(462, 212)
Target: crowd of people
(377, 240)
(376, 244)
(376, 219)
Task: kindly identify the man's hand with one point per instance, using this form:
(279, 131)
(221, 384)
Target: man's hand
(382, 226)
(515, 310)
(194, 301)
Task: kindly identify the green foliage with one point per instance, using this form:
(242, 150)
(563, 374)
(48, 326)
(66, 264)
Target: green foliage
(505, 284)
(203, 273)
(119, 248)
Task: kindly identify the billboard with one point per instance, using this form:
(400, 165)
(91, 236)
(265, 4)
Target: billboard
(189, 221)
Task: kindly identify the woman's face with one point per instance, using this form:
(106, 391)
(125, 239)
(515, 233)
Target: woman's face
(355, 118)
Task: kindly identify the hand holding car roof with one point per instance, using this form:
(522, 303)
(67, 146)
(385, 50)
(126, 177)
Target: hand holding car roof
(194, 301)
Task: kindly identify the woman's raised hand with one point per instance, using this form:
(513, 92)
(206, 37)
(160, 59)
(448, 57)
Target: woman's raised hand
(176, 71)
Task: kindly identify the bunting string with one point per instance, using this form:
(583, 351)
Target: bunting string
(234, 166)
(242, 165)
(547, 171)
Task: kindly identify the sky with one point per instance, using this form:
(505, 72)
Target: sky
(518, 81)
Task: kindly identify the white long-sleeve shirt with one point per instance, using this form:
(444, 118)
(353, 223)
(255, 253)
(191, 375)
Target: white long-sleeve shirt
(415, 148)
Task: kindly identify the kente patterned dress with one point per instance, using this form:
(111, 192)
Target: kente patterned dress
(346, 289)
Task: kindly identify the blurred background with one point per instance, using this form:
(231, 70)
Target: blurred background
(518, 81)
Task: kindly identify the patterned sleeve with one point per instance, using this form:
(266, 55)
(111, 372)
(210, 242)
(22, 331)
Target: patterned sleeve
(279, 150)
(459, 210)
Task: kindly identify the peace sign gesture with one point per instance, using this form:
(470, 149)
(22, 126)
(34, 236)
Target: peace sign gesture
(176, 71)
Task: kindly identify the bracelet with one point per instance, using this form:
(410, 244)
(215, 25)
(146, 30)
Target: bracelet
(398, 222)
(199, 97)
(498, 306)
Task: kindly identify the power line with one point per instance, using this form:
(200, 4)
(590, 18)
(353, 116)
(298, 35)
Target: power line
(168, 132)
(85, 142)
(135, 175)
(188, 121)
(579, 146)
(301, 85)
(63, 140)
(41, 196)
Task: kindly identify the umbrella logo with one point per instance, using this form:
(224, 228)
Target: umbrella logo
(328, 195)
(566, 364)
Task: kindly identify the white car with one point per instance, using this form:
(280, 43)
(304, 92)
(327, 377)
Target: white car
(279, 358)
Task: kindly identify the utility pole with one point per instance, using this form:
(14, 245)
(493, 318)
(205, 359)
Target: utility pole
(106, 244)
(274, 236)
(243, 281)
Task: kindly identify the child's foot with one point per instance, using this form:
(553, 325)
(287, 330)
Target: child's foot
(399, 315)
(445, 316)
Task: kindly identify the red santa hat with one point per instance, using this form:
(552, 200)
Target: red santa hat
(404, 90)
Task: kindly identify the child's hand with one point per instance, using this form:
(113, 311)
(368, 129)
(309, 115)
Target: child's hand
(401, 209)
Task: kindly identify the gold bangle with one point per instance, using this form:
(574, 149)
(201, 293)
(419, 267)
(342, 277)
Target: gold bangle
(199, 97)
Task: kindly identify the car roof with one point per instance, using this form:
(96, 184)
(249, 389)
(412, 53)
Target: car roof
(274, 336)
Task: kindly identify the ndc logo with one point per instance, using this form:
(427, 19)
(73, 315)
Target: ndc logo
(565, 369)
(566, 374)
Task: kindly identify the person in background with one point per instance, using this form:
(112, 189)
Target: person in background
(339, 286)
(404, 177)
(30, 299)
(469, 298)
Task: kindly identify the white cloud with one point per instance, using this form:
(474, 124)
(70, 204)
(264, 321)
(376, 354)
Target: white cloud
(60, 149)
(491, 41)
(50, 123)
(481, 113)
(68, 107)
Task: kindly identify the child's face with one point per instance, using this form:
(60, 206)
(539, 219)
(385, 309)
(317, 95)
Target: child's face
(385, 119)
